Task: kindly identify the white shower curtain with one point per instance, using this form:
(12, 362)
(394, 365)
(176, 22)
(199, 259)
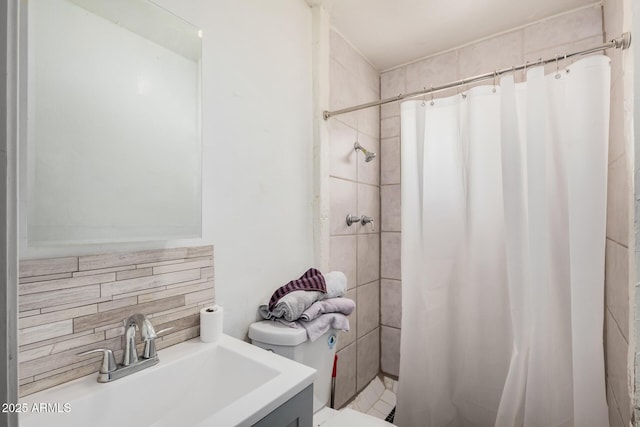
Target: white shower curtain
(503, 237)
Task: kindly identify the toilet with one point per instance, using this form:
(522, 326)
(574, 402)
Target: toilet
(292, 343)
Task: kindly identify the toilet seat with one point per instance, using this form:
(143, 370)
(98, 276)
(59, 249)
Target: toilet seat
(347, 417)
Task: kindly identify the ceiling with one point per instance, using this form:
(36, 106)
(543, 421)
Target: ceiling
(393, 32)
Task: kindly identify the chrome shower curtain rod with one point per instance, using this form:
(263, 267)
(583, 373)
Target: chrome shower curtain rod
(621, 42)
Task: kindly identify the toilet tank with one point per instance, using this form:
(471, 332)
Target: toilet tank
(293, 343)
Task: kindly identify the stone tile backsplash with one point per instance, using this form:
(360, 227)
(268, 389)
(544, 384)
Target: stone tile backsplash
(73, 304)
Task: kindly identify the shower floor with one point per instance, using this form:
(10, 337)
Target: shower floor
(378, 399)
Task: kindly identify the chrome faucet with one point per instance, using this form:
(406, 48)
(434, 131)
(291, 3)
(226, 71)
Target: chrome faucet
(131, 362)
(148, 334)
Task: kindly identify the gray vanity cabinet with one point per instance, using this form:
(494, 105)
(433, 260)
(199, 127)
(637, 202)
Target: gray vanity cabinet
(295, 412)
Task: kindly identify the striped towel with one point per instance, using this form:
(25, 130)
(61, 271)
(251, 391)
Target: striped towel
(311, 280)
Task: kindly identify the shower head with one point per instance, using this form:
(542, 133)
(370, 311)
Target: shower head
(368, 155)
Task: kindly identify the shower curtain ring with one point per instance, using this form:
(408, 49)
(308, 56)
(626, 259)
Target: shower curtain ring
(565, 62)
(424, 90)
(431, 103)
(557, 68)
(495, 76)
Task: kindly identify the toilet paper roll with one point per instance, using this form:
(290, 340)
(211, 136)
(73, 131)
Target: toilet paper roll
(211, 323)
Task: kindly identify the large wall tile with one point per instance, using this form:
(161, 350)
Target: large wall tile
(368, 119)
(617, 284)
(344, 89)
(566, 28)
(343, 202)
(390, 350)
(341, 51)
(390, 161)
(613, 18)
(343, 257)
(368, 172)
(368, 258)
(343, 93)
(369, 205)
(618, 202)
(368, 364)
(551, 52)
(616, 366)
(343, 159)
(390, 202)
(433, 71)
(616, 121)
(390, 109)
(390, 265)
(346, 338)
(368, 308)
(390, 302)
(390, 127)
(393, 83)
(488, 55)
(346, 375)
(615, 419)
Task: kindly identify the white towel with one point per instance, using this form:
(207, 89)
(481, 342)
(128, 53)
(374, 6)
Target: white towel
(291, 306)
(336, 283)
(329, 305)
(317, 327)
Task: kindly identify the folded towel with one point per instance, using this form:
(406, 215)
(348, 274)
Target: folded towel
(329, 305)
(311, 280)
(291, 306)
(317, 327)
(336, 283)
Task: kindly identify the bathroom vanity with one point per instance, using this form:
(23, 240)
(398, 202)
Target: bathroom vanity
(228, 383)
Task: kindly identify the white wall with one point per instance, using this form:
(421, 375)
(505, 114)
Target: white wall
(257, 130)
(257, 150)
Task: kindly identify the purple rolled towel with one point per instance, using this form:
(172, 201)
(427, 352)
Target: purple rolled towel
(311, 280)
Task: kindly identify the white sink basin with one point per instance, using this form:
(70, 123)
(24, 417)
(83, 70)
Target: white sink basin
(230, 383)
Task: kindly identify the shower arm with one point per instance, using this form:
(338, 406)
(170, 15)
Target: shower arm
(622, 42)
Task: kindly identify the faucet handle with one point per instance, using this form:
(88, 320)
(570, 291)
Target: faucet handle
(150, 344)
(352, 219)
(108, 361)
(364, 220)
(162, 331)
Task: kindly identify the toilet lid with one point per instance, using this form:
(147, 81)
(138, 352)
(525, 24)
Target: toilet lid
(350, 418)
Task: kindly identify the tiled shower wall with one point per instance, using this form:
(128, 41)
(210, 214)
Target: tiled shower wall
(355, 189)
(573, 31)
(619, 366)
(73, 304)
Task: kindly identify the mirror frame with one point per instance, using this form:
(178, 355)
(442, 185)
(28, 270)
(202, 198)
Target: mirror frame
(11, 14)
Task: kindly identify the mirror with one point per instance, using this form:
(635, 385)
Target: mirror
(113, 123)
